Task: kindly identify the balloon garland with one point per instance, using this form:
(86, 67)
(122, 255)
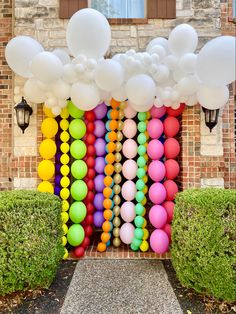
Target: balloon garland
(129, 173)
(78, 189)
(141, 233)
(117, 177)
(109, 169)
(100, 150)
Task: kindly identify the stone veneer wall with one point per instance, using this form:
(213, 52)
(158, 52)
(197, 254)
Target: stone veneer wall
(207, 159)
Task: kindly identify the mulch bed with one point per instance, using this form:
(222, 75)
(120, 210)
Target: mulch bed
(41, 301)
(193, 303)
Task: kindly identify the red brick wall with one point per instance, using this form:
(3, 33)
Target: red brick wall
(6, 96)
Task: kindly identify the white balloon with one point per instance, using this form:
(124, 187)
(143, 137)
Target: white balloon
(216, 61)
(158, 102)
(56, 110)
(143, 108)
(46, 67)
(182, 39)
(162, 73)
(89, 33)
(62, 55)
(158, 41)
(61, 89)
(178, 74)
(213, 97)
(51, 102)
(19, 53)
(109, 75)
(69, 74)
(119, 94)
(32, 92)
(62, 103)
(159, 50)
(140, 89)
(187, 63)
(91, 64)
(192, 100)
(85, 96)
(171, 62)
(188, 85)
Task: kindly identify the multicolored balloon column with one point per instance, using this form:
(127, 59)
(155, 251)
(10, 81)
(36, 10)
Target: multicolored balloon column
(110, 164)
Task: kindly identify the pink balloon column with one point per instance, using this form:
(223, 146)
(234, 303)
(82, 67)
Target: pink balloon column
(129, 170)
(159, 240)
(100, 151)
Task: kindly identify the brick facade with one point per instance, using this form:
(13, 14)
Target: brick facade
(206, 159)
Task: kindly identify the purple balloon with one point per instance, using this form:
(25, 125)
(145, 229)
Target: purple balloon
(99, 128)
(57, 137)
(98, 182)
(100, 164)
(100, 146)
(58, 167)
(98, 201)
(98, 219)
(58, 156)
(100, 111)
(57, 190)
(58, 179)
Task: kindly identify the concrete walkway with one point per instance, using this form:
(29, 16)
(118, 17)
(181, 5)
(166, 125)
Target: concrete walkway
(120, 286)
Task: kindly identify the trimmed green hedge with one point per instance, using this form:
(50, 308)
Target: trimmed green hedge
(30, 240)
(203, 241)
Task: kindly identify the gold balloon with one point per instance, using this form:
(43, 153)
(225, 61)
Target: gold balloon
(116, 242)
(118, 146)
(116, 210)
(117, 178)
(118, 157)
(120, 125)
(122, 105)
(116, 222)
(116, 189)
(116, 232)
(121, 114)
(119, 135)
(118, 167)
(116, 200)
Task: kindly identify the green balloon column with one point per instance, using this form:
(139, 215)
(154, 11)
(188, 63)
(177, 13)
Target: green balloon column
(78, 189)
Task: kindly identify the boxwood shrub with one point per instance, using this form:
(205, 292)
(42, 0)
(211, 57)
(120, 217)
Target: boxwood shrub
(30, 240)
(203, 241)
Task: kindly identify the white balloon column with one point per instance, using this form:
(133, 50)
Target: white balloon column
(170, 72)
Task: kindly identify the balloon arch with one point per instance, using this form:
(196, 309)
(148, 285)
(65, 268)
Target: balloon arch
(112, 148)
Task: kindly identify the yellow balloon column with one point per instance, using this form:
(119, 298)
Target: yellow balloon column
(64, 173)
(47, 151)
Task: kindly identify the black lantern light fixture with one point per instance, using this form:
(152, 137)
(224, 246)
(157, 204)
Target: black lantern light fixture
(211, 117)
(23, 113)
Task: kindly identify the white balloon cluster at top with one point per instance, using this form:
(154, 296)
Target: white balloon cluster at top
(168, 73)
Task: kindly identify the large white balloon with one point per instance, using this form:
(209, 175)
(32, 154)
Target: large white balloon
(213, 97)
(19, 53)
(88, 32)
(182, 39)
(216, 61)
(85, 96)
(109, 75)
(46, 67)
(61, 89)
(32, 92)
(140, 89)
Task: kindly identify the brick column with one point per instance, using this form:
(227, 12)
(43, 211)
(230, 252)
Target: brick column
(6, 96)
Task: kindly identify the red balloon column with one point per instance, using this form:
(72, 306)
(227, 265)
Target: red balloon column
(89, 139)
